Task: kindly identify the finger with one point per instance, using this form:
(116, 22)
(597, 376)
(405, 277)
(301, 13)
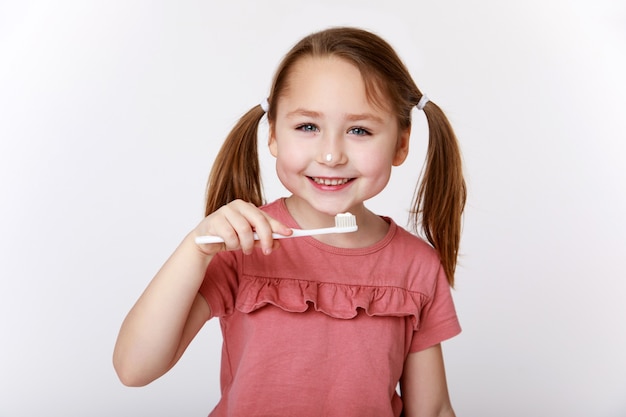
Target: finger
(246, 218)
(269, 243)
(242, 222)
(226, 223)
(263, 224)
(275, 246)
(277, 226)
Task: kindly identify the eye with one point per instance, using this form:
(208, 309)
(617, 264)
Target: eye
(307, 127)
(359, 131)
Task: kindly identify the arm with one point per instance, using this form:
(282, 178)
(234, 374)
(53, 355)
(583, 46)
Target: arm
(423, 385)
(170, 312)
(164, 320)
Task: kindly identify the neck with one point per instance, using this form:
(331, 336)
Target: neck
(371, 228)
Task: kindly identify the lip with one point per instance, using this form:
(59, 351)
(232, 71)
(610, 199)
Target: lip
(330, 183)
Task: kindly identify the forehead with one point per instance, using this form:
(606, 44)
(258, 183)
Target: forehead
(331, 80)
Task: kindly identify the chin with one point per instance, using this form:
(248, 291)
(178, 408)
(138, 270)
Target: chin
(332, 209)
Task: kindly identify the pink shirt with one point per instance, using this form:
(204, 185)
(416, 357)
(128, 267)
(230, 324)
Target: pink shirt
(316, 330)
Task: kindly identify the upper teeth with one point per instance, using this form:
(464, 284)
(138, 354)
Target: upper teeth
(328, 181)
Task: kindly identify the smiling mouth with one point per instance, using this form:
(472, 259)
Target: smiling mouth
(330, 181)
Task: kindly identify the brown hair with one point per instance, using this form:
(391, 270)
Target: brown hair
(439, 199)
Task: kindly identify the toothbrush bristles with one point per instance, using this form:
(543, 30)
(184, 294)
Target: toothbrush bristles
(345, 220)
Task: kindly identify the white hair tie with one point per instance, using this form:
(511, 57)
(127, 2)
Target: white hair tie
(265, 105)
(420, 104)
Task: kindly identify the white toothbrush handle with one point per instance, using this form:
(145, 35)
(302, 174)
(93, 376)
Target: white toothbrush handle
(296, 233)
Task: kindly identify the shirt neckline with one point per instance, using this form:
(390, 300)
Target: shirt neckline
(382, 243)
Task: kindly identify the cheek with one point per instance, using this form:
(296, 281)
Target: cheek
(290, 160)
(292, 152)
(375, 163)
(282, 167)
(382, 175)
(376, 168)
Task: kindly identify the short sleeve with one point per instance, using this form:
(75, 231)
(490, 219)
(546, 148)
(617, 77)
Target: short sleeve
(438, 319)
(220, 284)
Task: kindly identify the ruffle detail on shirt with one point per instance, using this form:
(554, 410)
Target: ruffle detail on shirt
(335, 300)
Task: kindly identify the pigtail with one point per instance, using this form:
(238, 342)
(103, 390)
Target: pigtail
(440, 197)
(236, 172)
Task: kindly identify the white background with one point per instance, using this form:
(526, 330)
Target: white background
(111, 113)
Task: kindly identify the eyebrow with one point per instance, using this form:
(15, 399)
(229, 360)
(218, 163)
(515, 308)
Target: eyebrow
(350, 117)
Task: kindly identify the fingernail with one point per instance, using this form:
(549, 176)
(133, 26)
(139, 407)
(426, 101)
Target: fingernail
(267, 251)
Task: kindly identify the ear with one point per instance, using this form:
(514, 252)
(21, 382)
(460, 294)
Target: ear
(402, 148)
(271, 142)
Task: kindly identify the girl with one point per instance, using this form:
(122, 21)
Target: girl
(325, 325)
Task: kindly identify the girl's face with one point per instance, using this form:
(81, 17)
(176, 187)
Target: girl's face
(334, 149)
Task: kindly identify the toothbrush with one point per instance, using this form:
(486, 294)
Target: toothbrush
(344, 223)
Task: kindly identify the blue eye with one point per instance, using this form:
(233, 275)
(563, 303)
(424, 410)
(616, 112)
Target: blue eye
(359, 131)
(307, 127)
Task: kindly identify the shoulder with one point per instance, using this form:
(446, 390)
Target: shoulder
(413, 258)
(277, 209)
(410, 245)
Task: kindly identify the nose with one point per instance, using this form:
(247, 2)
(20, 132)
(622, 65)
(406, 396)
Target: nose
(332, 150)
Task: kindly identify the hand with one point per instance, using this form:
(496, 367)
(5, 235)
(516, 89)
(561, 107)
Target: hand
(236, 223)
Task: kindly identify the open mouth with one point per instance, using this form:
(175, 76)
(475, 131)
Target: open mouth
(330, 181)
